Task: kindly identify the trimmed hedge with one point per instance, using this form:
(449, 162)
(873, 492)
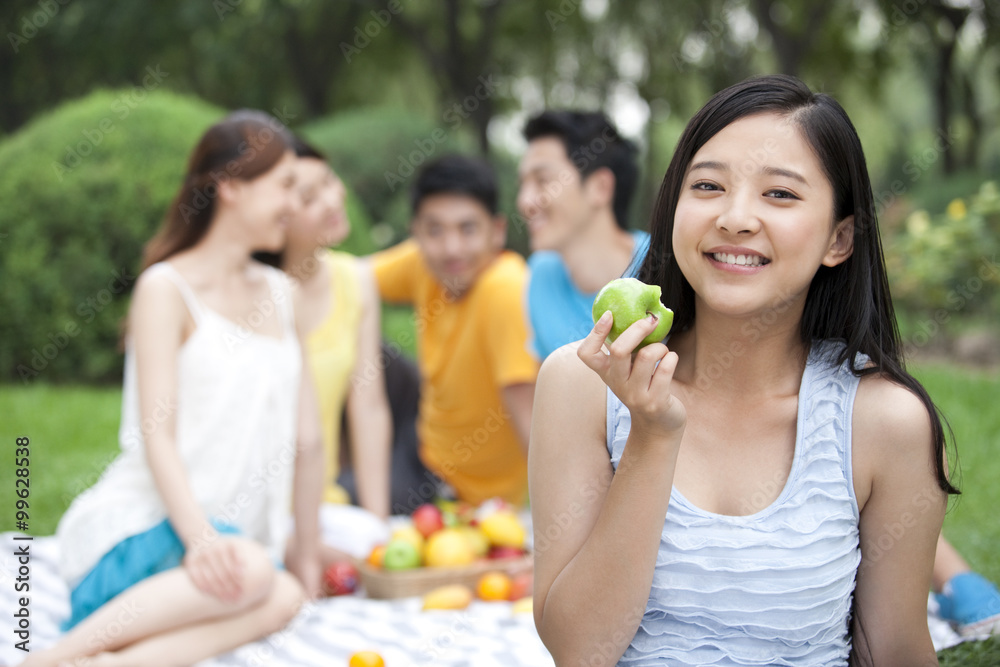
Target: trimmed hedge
(83, 188)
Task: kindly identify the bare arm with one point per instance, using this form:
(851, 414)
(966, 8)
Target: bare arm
(588, 522)
(156, 323)
(517, 400)
(901, 519)
(304, 554)
(370, 421)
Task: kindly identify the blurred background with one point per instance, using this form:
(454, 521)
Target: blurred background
(103, 99)
(101, 102)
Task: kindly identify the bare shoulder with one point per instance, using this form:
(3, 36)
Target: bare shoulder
(892, 437)
(155, 288)
(565, 368)
(569, 391)
(157, 308)
(891, 416)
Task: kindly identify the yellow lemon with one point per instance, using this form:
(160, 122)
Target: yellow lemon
(503, 529)
(448, 548)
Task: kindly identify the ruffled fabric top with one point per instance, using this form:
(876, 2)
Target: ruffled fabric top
(770, 588)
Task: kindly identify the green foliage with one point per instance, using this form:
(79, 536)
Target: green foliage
(377, 152)
(87, 185)
(84, 187)
(948, 261)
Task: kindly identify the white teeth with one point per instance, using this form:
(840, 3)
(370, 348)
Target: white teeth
(739, 260)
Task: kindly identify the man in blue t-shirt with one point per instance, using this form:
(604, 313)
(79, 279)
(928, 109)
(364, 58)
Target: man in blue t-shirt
(576, 180)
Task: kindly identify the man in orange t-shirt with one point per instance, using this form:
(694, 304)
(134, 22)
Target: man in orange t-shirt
(478, 378)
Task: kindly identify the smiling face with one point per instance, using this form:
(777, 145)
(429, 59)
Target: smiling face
(266, 204)
(754, 219)
(458, 238)
(321, 219)
(551, 196)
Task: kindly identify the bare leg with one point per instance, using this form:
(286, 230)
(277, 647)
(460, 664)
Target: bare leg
(156, 605)
(947, 563)
(192, 643)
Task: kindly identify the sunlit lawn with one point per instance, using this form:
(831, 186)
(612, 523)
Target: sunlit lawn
(73, 433)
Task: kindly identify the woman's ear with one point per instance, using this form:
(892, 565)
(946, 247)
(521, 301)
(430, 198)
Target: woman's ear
(228, 189)
(841, 242)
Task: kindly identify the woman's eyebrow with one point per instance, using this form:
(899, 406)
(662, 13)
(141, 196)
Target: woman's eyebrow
(710, 164)
(777, 171)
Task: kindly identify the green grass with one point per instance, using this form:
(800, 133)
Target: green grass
(74, 435)
(73, 432)
(968, 400)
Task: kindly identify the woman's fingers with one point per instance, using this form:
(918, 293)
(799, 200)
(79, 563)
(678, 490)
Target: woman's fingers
(217, 570)
(647, 362)
(233, 567)
(591, 350)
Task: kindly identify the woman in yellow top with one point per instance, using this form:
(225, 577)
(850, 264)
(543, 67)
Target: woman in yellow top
(337, 312)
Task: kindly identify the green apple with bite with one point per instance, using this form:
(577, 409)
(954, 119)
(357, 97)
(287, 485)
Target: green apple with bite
(630, 300)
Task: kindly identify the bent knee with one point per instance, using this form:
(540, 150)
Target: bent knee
(258, 574)
(284, 602)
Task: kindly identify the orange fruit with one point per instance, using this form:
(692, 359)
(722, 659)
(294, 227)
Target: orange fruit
(375, 557)
(493, 586)
(366, 659)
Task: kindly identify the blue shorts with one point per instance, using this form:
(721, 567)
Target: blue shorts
(129, 562)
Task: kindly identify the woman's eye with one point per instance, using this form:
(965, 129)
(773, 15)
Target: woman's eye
(705, 185)
(780, 194)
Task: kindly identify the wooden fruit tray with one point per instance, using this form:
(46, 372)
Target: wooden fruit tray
(386, 585)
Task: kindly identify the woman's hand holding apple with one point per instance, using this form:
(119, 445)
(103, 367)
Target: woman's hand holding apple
(639, 378)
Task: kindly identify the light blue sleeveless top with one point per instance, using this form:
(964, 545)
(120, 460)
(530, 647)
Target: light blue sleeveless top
(771, 588)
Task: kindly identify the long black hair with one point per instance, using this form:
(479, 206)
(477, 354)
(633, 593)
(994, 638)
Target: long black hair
(848, 302)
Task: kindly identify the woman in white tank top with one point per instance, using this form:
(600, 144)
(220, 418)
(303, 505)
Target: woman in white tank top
(769, 490)
(173, 555)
